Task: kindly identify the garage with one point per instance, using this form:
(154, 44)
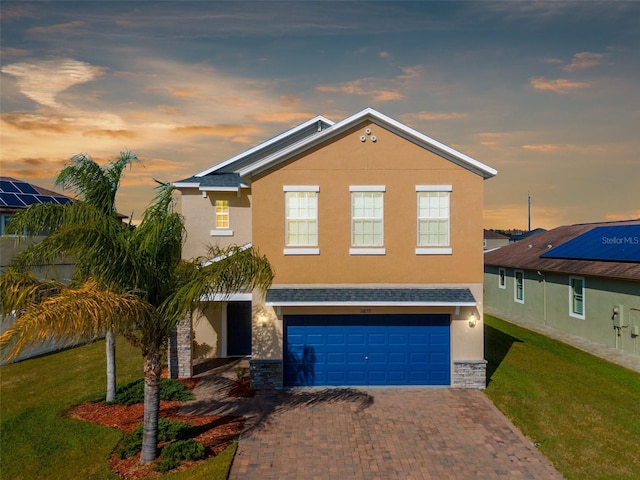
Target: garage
(361, 350)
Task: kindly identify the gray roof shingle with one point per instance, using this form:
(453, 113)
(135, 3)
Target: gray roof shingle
(370, 296)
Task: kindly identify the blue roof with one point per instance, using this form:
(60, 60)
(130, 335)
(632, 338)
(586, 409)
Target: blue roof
(609, 243)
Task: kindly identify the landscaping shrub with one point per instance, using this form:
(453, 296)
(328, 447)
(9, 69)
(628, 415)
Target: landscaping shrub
(170, 389)
(168, 430)
(175, 453)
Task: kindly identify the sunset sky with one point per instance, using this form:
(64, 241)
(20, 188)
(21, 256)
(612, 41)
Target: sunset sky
(548, 93)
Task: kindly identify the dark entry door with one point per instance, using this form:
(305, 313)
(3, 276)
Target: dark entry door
(238, 329)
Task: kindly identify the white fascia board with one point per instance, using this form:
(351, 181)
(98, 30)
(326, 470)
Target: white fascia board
(407, 132)
(486, 170)
(219, 189)
(371, 304)
(231, 297)
(264, 144)
(186, 185)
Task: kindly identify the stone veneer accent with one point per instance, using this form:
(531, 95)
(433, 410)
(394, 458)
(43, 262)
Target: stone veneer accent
(469, 374)
(181, 351)
(266, 374)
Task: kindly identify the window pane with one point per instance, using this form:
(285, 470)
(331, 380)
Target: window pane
(366, 219)
(222, 214)
(433, 219)
(301, 219)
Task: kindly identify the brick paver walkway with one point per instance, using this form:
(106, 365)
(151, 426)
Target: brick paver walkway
(385, 433)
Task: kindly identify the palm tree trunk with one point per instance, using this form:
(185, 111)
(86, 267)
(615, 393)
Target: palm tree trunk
(152, 372)
(111, 365)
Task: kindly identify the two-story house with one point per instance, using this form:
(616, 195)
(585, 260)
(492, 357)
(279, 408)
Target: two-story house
(374, 233)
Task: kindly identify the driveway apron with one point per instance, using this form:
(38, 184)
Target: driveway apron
(384, 433)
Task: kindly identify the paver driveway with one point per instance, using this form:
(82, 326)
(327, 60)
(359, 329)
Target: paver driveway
(386, 433)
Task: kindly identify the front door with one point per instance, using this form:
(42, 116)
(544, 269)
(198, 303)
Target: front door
(238, 329)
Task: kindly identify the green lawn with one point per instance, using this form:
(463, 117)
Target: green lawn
(583, 412)
(37, 441)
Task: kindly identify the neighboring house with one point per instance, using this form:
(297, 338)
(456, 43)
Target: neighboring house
(494, 240)
(583, 279)
(373, 231)
(16, 195)
(517, 237)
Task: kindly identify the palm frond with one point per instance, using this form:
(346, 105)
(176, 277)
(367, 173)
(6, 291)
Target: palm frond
(74, 313)
(20, 289)
(235, 269)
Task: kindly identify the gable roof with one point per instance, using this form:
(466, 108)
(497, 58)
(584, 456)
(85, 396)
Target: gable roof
(310, 134)
(533, 254)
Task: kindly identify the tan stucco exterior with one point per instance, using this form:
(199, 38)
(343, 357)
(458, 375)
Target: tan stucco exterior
(398, 164)
(199, 212)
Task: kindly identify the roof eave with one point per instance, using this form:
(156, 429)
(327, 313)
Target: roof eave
(400, 129)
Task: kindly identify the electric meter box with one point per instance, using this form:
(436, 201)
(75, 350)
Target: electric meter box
(617, 316)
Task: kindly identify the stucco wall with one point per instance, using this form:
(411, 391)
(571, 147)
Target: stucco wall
(199, 215)
(397, 164)
(546, 300)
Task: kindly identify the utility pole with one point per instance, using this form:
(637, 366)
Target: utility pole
(529, 210)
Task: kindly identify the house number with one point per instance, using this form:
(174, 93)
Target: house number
(365, 310)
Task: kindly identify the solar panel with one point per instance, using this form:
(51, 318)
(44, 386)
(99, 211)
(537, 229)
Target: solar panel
(21, 194)
(25, 188)
(11, 200)
(28, 199)
(9, 187)
(620, 243)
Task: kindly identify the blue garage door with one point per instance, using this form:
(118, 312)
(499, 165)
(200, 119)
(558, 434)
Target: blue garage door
(367, 350)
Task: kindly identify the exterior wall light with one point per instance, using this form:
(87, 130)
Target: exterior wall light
(262, 319)
(472, 320)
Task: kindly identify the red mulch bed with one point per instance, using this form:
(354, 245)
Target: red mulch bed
(242, 388)
(219, 431)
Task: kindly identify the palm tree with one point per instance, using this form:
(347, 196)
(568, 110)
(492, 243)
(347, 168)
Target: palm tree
(139, 286)
(96, 186)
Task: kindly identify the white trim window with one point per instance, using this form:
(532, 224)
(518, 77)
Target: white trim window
(576, 297)
(221, 227)
(433, 207)
(367, 219)
(222, 214)
(502, 278)
(301, 219)
(518, 286)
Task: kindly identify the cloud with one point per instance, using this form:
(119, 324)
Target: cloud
(558, 85)
(543, 148)
(43, 80)
(552, 60)
(362, 88)
(37, 123)
(104, 133)
(183, 93)
(439, 116)
(15, 52)
(283, 117)
(217, 130)
(585, 60)
(384, 54)
(61, 28)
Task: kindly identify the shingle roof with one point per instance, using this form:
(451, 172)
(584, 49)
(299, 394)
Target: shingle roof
(217, 180)
(312, 133)
(371, 296)
(526, 254)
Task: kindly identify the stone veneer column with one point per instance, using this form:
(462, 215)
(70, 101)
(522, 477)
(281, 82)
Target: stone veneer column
(266, 374)
(181, 350)
(469, 374)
